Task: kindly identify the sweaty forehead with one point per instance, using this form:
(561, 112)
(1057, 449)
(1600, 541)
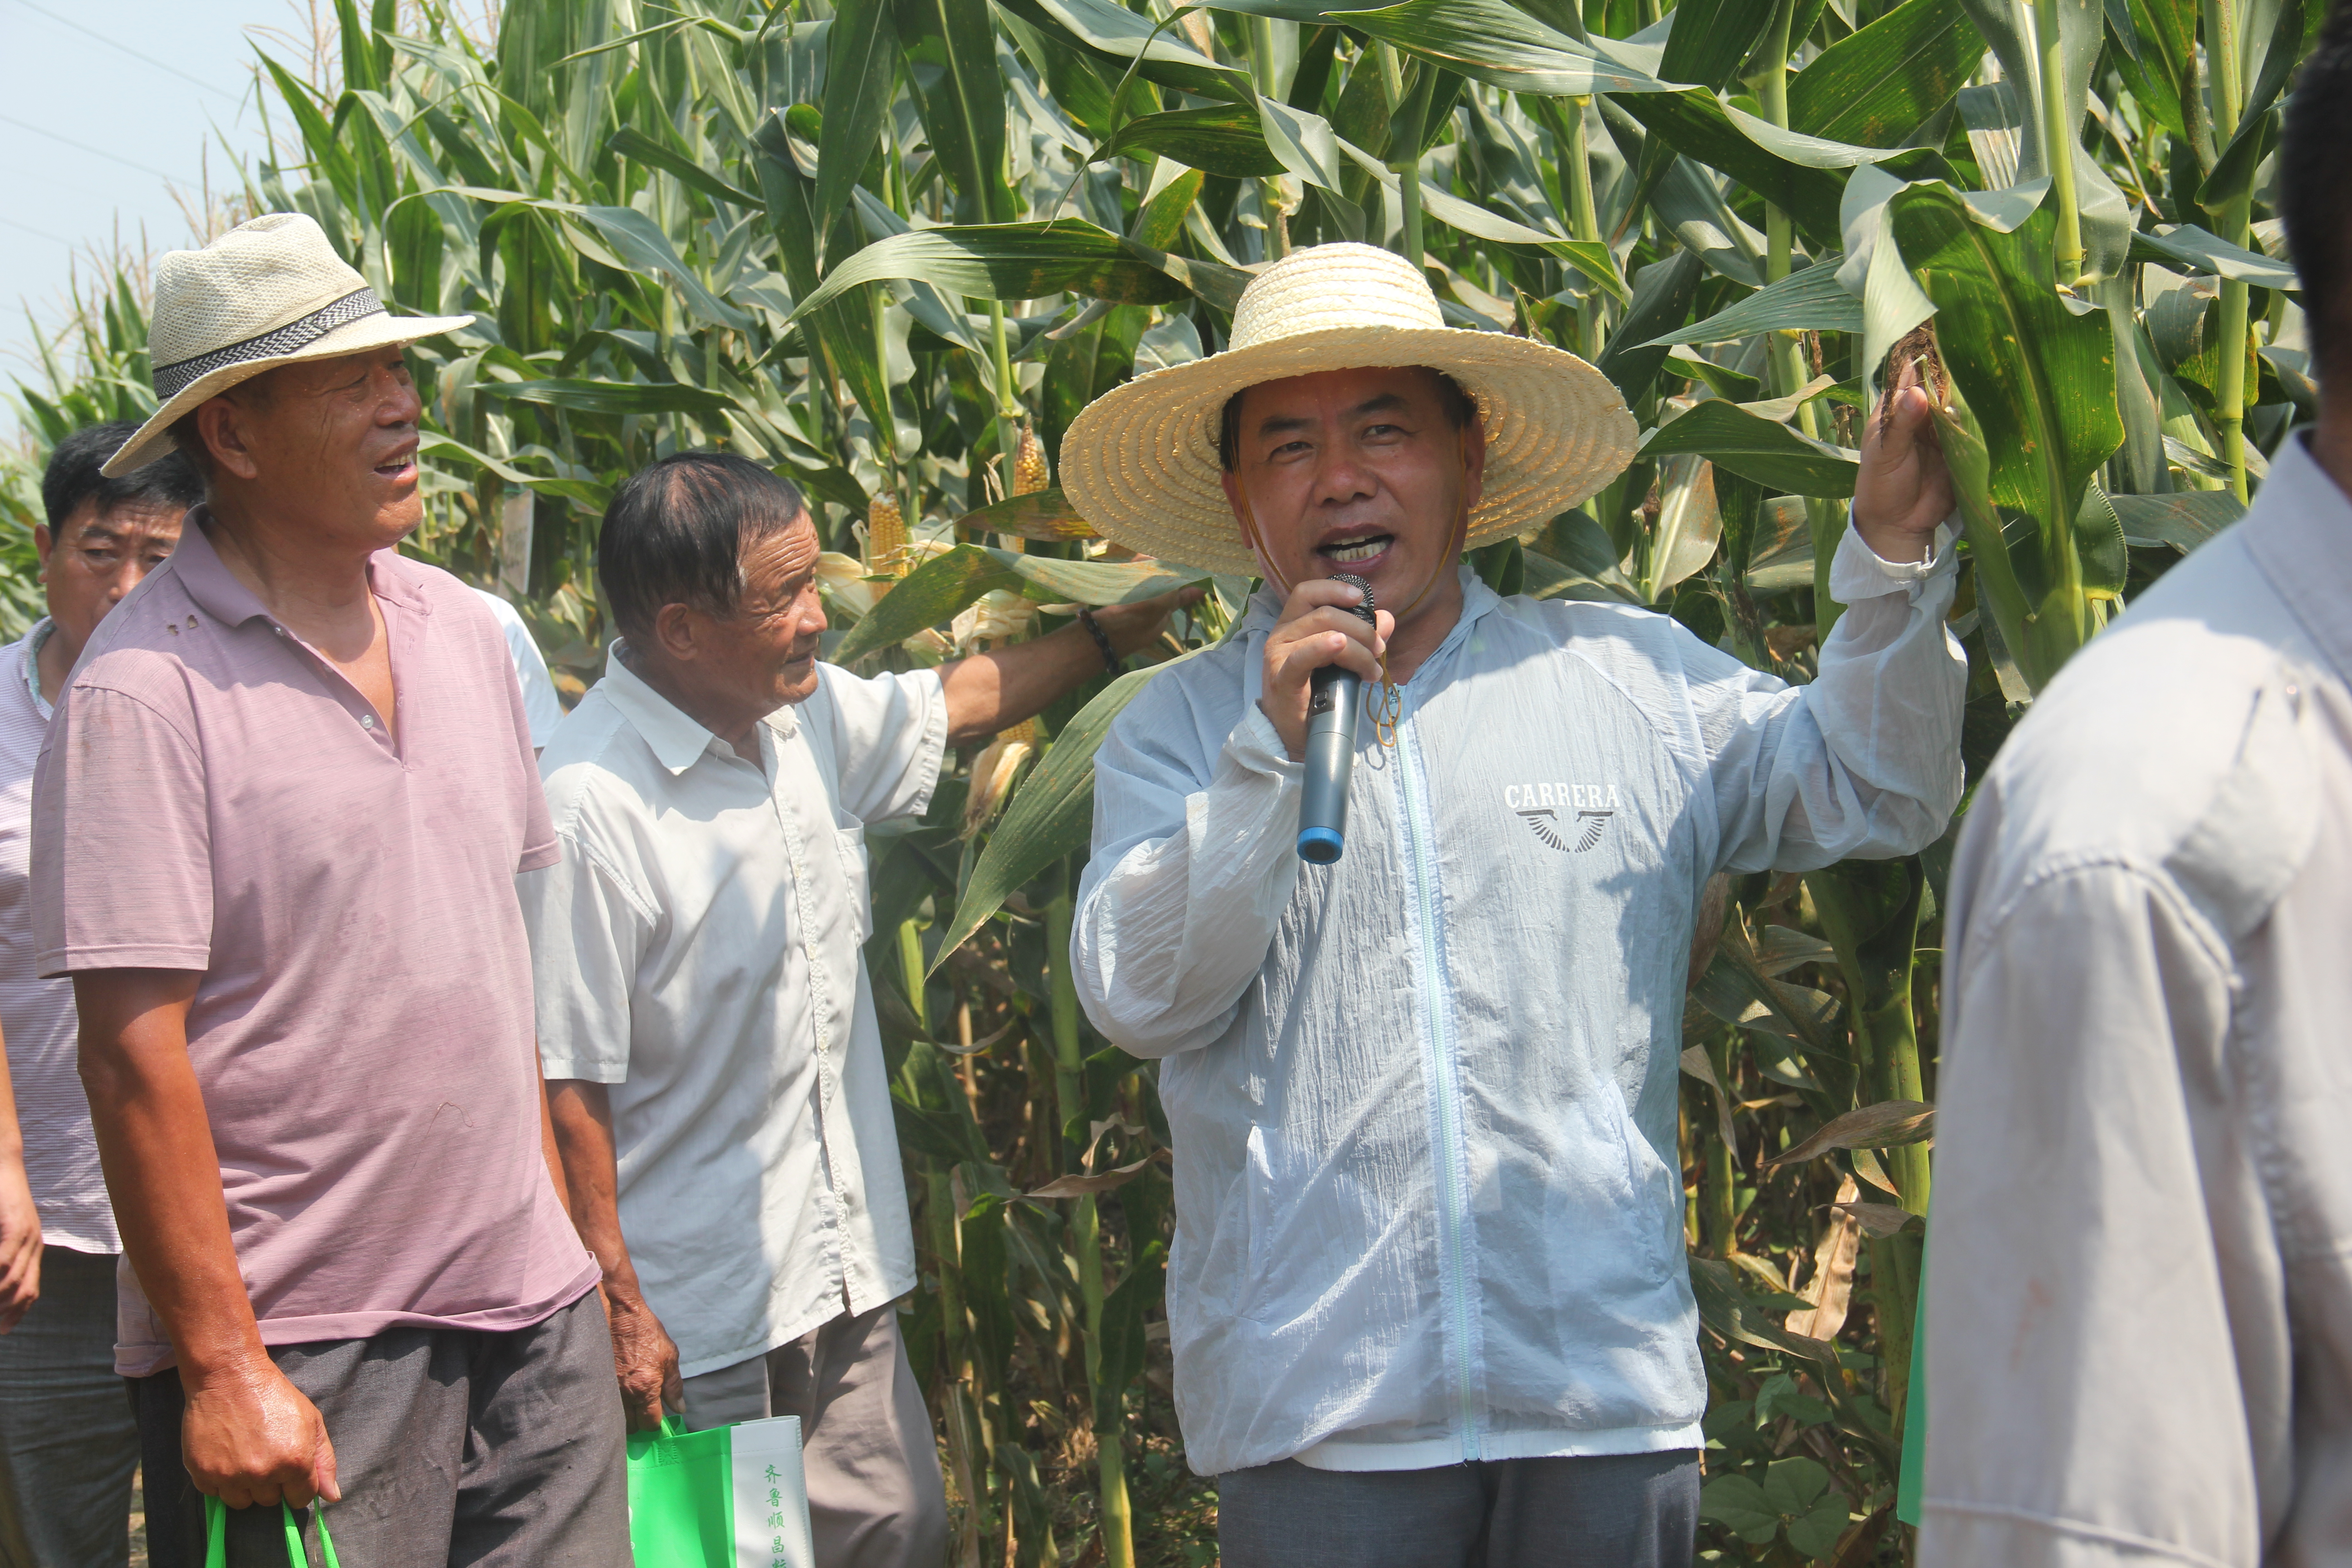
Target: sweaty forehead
(1341, 392)
(780, 556)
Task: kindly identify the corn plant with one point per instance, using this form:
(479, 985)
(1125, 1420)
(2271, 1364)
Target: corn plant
(891, 248)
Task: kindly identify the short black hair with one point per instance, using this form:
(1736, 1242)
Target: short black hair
(73, 476)
(1459, 406)
(2314, 197)
(676, 530)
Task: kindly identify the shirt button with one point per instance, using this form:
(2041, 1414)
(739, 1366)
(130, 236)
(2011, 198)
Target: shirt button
(367, 720)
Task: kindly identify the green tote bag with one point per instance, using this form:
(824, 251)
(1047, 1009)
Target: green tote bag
(216, 1536)
(732, 1496)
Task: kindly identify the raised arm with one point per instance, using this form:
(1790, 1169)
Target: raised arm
(1865, 760)
(994, 690)
(249, 1435)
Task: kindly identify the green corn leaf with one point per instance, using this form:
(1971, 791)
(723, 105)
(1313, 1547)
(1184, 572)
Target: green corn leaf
(1589, 258)
(1877, 86)
(2183, 520)
(630, 142)
(1696, 125)
(951, 54)
(1489, 41)
(1122, 1332)
(644, 247)
(2034, 413)
(861, 69)
(1008, 261)
(1761, 449)
(1811, 299)
(934, 592)
(610, 396)
(1046, 514)
(1119, 34)
(1050, 819)
(1711, 37)
(942, 587)
(2186, 248)
(1222, 139)
(1662, 292)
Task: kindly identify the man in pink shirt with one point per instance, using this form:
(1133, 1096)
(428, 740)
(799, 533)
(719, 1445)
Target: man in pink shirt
(306, 1004)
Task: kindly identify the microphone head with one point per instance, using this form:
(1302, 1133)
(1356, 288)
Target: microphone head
(1358, 584)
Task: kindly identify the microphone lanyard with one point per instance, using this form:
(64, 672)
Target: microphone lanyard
(1387, 709)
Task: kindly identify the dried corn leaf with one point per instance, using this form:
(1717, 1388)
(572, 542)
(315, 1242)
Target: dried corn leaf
(1879, 1221)
(1890, 1124)
(1831, 1289)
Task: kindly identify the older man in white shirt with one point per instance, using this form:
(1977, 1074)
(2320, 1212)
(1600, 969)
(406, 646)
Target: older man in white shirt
(704, 1018)
(2139, 1312)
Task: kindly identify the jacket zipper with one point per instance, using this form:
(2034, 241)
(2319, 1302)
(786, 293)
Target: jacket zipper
(1452, 1216)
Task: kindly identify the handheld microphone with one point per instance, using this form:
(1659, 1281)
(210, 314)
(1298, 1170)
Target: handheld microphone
(1335, 698)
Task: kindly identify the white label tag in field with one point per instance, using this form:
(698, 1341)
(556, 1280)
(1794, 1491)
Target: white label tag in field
(771, 1519)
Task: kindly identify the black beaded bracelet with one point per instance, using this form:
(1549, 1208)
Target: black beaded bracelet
(1111, 660)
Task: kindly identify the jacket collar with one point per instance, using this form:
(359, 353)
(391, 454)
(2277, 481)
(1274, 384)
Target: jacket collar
(2299, 532)
(215, 590)
(676, 740)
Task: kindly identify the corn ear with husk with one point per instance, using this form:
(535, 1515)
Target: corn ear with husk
(992, 773)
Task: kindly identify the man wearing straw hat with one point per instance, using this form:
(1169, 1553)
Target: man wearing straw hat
(1427, 1297)
(306, 1004)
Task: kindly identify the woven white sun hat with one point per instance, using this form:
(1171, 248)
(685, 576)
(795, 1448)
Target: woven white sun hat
(1139, 463)
(266, 293)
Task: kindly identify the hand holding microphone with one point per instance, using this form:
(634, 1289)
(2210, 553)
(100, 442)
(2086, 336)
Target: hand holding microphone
(1324, 626)
(1335, 700)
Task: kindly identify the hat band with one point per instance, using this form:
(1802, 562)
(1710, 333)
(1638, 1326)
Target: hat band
(170, 380)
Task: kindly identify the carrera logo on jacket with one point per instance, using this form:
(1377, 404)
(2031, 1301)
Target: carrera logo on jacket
(1569, 817)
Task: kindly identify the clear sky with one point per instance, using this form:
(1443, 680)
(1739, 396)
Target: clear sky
(106, 108)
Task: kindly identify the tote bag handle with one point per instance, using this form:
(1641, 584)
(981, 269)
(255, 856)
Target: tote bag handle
(216, 1536)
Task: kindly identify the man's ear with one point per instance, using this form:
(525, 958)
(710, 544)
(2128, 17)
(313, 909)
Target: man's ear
(1246, 522)
(1233, 485)
(1474, 462)
(43, 541)
(676, 629)
(224, 426)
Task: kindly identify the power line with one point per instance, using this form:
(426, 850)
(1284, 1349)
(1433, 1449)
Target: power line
(43, 233)
(116, 44)
(83, 146)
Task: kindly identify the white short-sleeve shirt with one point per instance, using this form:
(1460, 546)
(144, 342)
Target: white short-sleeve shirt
(541, 706)
(698, 949)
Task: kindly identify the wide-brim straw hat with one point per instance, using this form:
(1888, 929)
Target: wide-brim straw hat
(266, 293)
(1141, 464)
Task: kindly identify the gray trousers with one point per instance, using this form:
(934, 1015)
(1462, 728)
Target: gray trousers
(876, 1498)
(1615, 1510)
(67, 1444)
(453, 1446)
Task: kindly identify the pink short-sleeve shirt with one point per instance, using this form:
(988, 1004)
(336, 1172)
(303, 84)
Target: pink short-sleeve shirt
(214, 795)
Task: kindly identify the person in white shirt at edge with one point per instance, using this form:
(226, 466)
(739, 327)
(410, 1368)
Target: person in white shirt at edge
(1427, 1295)
(67, 1443)
(542, 709)
(2138, 1314)
(719, 1093)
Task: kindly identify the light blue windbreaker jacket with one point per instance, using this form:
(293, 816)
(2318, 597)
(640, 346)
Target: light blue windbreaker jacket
(1423, 1100)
